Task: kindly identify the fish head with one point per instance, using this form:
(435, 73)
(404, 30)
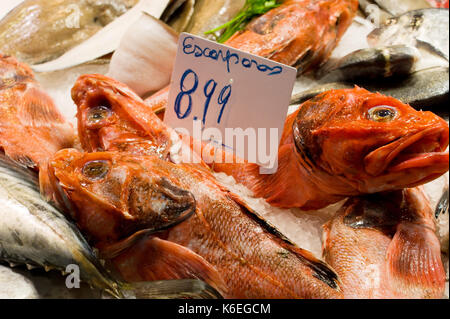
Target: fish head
(112, 195)
(373, 142)
(112, 117)
(342, 15)
(13, 73)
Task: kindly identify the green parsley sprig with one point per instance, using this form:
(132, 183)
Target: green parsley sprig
(251, 9)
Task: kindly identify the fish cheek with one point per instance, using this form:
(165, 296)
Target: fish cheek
(340, 155)
(157, 203)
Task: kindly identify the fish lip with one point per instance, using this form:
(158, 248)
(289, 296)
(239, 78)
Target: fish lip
(393, 156)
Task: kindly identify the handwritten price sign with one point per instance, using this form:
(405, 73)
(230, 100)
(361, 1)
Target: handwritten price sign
(217, 87)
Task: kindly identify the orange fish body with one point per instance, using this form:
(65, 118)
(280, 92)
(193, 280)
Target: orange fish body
(31, 127)
(384, 246)
(252, 258)
(347, 143)
(300, 33)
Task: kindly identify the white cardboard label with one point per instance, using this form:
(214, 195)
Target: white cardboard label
(216, 88)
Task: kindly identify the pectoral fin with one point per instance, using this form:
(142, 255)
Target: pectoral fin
(414, 265)
(151, 258)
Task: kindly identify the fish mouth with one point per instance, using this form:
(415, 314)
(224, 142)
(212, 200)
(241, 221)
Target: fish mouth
(419, 150)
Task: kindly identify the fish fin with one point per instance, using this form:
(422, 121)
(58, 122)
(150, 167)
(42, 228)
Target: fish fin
(36, 108)
(16, 156)
(113, 250)
(45, 185)
(171, 289)
(414, 262)
(152, 258)
(37, 132)
(321, 270)
(26, 174)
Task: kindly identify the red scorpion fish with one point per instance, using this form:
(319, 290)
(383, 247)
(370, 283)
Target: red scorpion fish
(243, 256)
(347, 143)
(301, 33)
(385, 246)
(29, 118)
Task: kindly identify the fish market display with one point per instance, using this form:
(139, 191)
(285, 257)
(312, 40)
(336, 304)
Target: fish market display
(37, 31)
(91, 177)
(254, 251)
(373, 63)
(426, 28)
(105, 41)
(345, 143)
(32, 231)
(301, 33)
(207, 234)
(385, 246)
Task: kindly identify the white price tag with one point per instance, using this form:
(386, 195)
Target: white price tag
(233, 99)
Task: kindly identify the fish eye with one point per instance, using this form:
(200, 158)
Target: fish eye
(382, 113)
(98, 114)
(96, 170)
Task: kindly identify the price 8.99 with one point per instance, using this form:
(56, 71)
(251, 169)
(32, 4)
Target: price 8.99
(209, 91)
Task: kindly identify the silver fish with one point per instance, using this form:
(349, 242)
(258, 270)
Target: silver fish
(37, 31)
(426, 28)
(425, 89)
(371, 63)
(178, 14)
(199, 16)
(34, 233)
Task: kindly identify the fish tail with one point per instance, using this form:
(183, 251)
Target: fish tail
(414, 262)
(152, 258)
